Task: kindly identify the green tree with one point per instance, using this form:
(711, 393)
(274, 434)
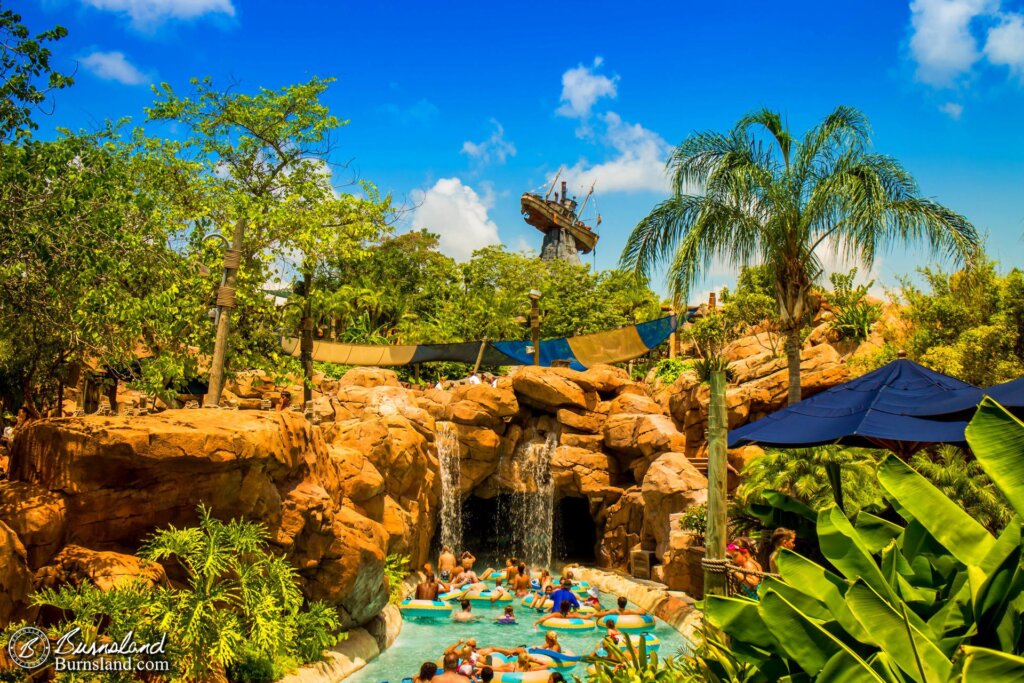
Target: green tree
(265, 164)
(26, 79)
(771, 199)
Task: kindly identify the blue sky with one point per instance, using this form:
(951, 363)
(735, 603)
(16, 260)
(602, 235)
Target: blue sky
(457, 108)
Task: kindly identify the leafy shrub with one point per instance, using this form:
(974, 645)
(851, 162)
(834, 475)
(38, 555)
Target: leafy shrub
(695, 519)
(669, 369)
(241, 608)
(396, 568)
(852, 315)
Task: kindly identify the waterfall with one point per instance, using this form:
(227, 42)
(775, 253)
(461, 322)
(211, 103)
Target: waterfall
(448, 455)
(533, 509)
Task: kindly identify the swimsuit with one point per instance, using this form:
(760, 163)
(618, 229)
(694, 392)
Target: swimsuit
(446, 575)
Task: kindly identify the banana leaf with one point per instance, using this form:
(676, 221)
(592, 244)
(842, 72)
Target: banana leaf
(876, 532)
(997, 439)
(888, 632)
(739, 618)
(958, 532)
(811, 646)
(981, 665)
(842, 546)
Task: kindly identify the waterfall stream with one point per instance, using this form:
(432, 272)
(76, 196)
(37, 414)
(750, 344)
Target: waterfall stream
(449, 455)
(533, 509)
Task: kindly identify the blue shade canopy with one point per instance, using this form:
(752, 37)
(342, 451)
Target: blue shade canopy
(871, 411)
(1009, 395)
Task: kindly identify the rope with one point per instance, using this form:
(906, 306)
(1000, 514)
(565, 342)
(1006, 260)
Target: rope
(725, 567)
(226, 296)
(232, 258)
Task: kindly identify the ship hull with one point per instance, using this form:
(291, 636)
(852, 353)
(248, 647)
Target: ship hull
(546, 217)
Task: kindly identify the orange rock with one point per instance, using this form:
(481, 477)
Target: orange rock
(581, 420)
(104, 569)
(37, 516)
(369, 377)
(547, 389)
(671, 485)
(15, 577)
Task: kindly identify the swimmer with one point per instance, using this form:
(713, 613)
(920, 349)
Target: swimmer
(563, 613)
(451, 673)
(498, 591)
(426, 674)
(509, 617)
(521, 586)
(524, 662)
(551, 642)
(466, 613)
(429, 589)
(620, 610)
(468, 560)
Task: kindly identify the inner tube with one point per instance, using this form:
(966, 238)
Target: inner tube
(631, 623)
(452, 595)
(542, 603)
(478, 595)
(587, 609)
(568, 624)
(534, 676)
(411, 607)
(652, 642)
(563, 662)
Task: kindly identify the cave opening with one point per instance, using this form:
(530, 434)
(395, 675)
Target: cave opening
(488, 530)
(575, 537)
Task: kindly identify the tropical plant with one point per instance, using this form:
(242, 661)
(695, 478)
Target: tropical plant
(961, 479)
(240, 609)
(396, 568)
(938, 598)
(668, 370)
(633, 664)
(759, 195)
(695, 519)
(852, 314)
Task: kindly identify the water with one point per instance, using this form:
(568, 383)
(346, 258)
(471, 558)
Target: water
(425, 640)
(449, 457)
(532, 513)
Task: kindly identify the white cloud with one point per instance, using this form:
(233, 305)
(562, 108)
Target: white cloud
(638, 164)
(942, 43)
(458, 215)
(148, 13)
(113, 66)
(494, 149)
(582, 88)
(1005, 44)
(952, 109)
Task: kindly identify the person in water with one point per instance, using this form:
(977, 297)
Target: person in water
(541, 599)
(563, 595)
(593, 598)
(781, 538)
(556, 677)
(563, 613)
(466, 614)
(446, 564)
(620, 609)
(509, 617)
(486, 674)
(545, 579)
(498, 591)
(467, 560)
(523, 662)
(429, 588)
(451, 673)
(522, 582)
(426, 674)
(551, 642)
(612, 636)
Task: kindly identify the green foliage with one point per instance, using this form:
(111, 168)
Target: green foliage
(852, 315)
(695, 519)
(925, 600)
(960, 478)
(631, 664)
(240, 607)
(669, 369)
(396, 568)
(802, 474)
(26, 78)
(968, 324)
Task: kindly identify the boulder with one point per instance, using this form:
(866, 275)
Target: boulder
(607, 379)
(369, 377)
(104, 569)
(482, 405)
(581, 420)
(642, 434)
(547, 389)
(37, 516)
(15, 577)
(671, 485)
(122, 478)
(634, 403)
(590, 442)
(580, 472)
(622, 522)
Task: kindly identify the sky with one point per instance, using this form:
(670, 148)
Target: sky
(456, 109)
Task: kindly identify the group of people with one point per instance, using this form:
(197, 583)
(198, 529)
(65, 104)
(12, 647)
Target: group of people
(747, 571)
(464, 661)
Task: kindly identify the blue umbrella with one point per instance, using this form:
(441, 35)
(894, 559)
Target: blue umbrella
(1009, 395)
(875, 410)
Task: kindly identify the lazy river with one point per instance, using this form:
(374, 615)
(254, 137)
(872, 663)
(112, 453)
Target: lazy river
(425, 639)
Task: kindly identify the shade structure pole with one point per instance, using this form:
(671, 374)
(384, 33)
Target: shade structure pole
(306, 342)
(535, 329)
(225, 302)
(715, 582)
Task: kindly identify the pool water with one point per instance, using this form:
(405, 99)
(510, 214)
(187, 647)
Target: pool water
(423, 640)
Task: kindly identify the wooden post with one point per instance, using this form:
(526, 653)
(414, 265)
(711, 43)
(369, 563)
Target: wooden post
(225, 302)
(535, 328)
(715, 583)
(480, 355)
(306, 344)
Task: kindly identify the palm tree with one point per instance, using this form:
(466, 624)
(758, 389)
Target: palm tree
(757, 194)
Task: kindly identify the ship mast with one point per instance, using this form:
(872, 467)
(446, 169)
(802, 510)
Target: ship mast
(586, 199)
(553, 183)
